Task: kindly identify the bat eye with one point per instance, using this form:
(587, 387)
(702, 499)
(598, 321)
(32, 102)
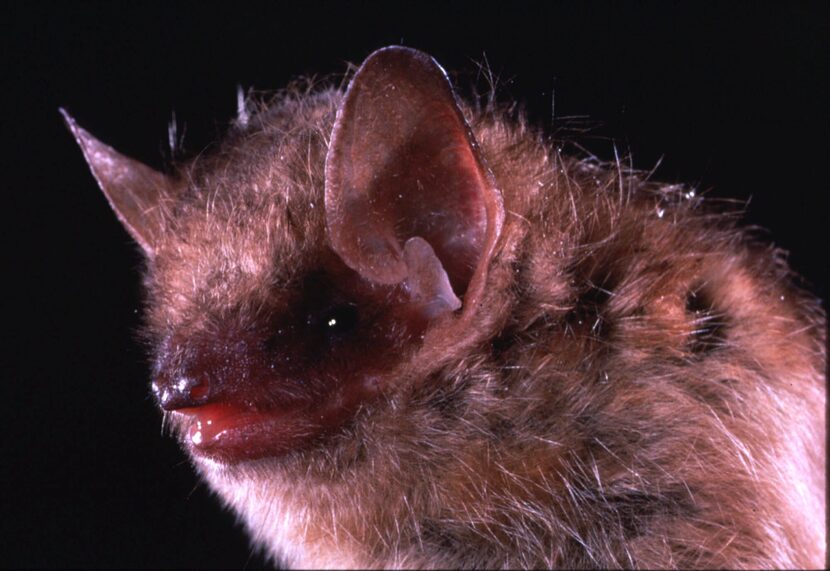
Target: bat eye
(338, 321)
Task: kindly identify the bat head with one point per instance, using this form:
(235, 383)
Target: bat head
(298, 273)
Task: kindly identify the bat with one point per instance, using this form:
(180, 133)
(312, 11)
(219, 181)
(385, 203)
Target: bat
(392, 328)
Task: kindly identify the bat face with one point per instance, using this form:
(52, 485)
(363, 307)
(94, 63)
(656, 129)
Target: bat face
(265, 307)
(265, 384)
(394, 332)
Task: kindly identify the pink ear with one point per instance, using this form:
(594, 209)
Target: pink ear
(403, 163)
(133, 189)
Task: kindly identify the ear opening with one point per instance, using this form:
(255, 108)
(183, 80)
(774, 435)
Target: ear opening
(403, 163)
(133, 189)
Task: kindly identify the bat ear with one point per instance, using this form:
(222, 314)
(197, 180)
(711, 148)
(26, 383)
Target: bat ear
(133, 189)
(403, 164)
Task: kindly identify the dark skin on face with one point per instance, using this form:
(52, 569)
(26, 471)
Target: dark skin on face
(281, 384)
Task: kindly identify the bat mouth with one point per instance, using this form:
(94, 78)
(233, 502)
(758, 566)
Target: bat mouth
(231, 433)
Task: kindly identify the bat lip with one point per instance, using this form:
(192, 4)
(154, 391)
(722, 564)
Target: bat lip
(231, 433)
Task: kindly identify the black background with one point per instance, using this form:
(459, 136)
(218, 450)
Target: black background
(732, 97)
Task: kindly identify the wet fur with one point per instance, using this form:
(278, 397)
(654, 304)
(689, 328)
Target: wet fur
(643, 387)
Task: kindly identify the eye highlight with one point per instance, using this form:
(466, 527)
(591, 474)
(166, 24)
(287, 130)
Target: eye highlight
(336, 322)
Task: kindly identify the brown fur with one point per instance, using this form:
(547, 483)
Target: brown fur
(643, 385)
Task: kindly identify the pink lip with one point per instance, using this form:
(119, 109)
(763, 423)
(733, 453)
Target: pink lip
(231, 433)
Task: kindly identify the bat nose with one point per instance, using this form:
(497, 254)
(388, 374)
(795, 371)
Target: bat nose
(196, 369)
(180, 391)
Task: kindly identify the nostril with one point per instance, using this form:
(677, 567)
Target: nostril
(180, 391)
(199, 392)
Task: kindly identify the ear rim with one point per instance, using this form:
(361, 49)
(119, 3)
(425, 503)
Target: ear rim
(492, 198)
(142, 221)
